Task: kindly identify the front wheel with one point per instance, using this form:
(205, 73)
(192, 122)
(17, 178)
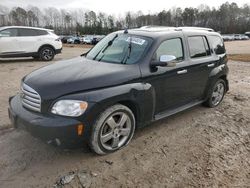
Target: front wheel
(46, 53)
(112, 130)
(216, 94)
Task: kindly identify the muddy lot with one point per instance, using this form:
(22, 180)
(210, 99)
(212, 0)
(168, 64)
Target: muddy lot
(200, 147)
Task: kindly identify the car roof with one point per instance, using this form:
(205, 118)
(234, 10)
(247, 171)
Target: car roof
(24, 27)
(158, 31)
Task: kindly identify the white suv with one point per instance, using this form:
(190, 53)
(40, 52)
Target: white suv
(17, 41)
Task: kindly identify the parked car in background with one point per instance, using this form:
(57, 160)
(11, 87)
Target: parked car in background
(228, 37)
(97, 39)
(244, 37)
(237, 37)
(240, 37)
(247, 34)
(18, 41)
(231, 37)
(87, 39)
(64, 39)
(74, 40)
(129, 79)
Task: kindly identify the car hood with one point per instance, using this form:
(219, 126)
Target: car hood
(77, 75)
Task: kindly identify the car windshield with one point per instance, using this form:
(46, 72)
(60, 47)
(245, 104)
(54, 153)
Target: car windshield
(119, 48)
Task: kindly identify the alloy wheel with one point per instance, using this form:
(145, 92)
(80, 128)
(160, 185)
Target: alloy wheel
(47, 54)
(115, 131)
(218, 93)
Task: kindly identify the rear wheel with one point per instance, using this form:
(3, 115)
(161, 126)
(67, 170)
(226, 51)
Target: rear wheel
(216, 94)
(47, 53)
(113, 130)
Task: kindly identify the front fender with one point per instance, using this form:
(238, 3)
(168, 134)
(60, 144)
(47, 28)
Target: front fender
(139, 94)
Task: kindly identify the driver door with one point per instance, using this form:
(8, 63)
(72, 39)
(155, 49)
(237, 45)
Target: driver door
(171, 84)
(9, 41)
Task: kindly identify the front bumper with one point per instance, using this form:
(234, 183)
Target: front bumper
(58, 51)
(56, 130)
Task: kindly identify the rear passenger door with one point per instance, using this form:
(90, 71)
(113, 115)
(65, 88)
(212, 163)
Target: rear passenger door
(28, 40)
(201, 64)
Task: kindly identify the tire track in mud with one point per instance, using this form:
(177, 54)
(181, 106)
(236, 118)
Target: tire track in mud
(228, 142)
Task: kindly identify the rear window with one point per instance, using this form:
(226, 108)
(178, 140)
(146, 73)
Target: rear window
(198, 46)
(217, 44)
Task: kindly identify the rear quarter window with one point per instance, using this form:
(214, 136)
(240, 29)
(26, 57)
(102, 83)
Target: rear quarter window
(23, 32)
(42, 32)
(217, 44)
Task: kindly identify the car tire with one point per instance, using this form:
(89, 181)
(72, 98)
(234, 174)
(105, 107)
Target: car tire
(216, 94)
(113, 130)
(46, 53)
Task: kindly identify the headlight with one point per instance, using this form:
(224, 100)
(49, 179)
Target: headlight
(71, 108)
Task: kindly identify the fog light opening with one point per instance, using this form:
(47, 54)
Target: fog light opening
(80, 129)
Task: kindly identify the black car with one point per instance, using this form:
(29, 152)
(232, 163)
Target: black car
(65, 39)
(128, 80)
(95, 40)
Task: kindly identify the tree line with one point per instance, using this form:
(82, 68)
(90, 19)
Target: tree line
(227, 18)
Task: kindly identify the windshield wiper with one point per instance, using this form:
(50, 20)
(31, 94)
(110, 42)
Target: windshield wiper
(128, 53)
(105, 48)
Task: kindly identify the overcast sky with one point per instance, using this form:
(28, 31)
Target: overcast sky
(117, 6)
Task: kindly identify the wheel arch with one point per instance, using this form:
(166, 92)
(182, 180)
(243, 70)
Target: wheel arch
(133, 107)
(46, 45)
(224, 77)
(219, 72)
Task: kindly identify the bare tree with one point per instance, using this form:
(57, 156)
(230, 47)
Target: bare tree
(228, 18)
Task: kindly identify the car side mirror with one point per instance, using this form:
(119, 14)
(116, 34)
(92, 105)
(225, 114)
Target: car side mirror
(165, 61)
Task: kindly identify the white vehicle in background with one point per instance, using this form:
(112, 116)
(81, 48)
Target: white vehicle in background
(228, 37)
(244, 37)
(87, 39)
(237, 37)
(241, 37)
(18, 41)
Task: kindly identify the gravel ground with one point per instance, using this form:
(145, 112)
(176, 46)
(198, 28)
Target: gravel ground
(200, 147)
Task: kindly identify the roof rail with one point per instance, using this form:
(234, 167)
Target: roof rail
(157, 28)
(152, 26)
(176, 28)
(196, 28)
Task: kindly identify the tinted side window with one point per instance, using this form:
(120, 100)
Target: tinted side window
(41, 32)
(198, 46)
(217, 44)
(27, 32)
(8, 33)
(170, 47)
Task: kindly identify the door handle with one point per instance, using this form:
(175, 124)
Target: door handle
(210, 65)
(182, 71)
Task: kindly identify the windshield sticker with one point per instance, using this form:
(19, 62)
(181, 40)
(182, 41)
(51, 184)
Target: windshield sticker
(136, 40)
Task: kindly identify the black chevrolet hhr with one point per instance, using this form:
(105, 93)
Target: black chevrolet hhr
(128, 80)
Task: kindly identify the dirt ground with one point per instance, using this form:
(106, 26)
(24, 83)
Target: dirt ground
(200, 147)
(238, 47)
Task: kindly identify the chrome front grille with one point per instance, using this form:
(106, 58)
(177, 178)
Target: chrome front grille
(30, 98)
